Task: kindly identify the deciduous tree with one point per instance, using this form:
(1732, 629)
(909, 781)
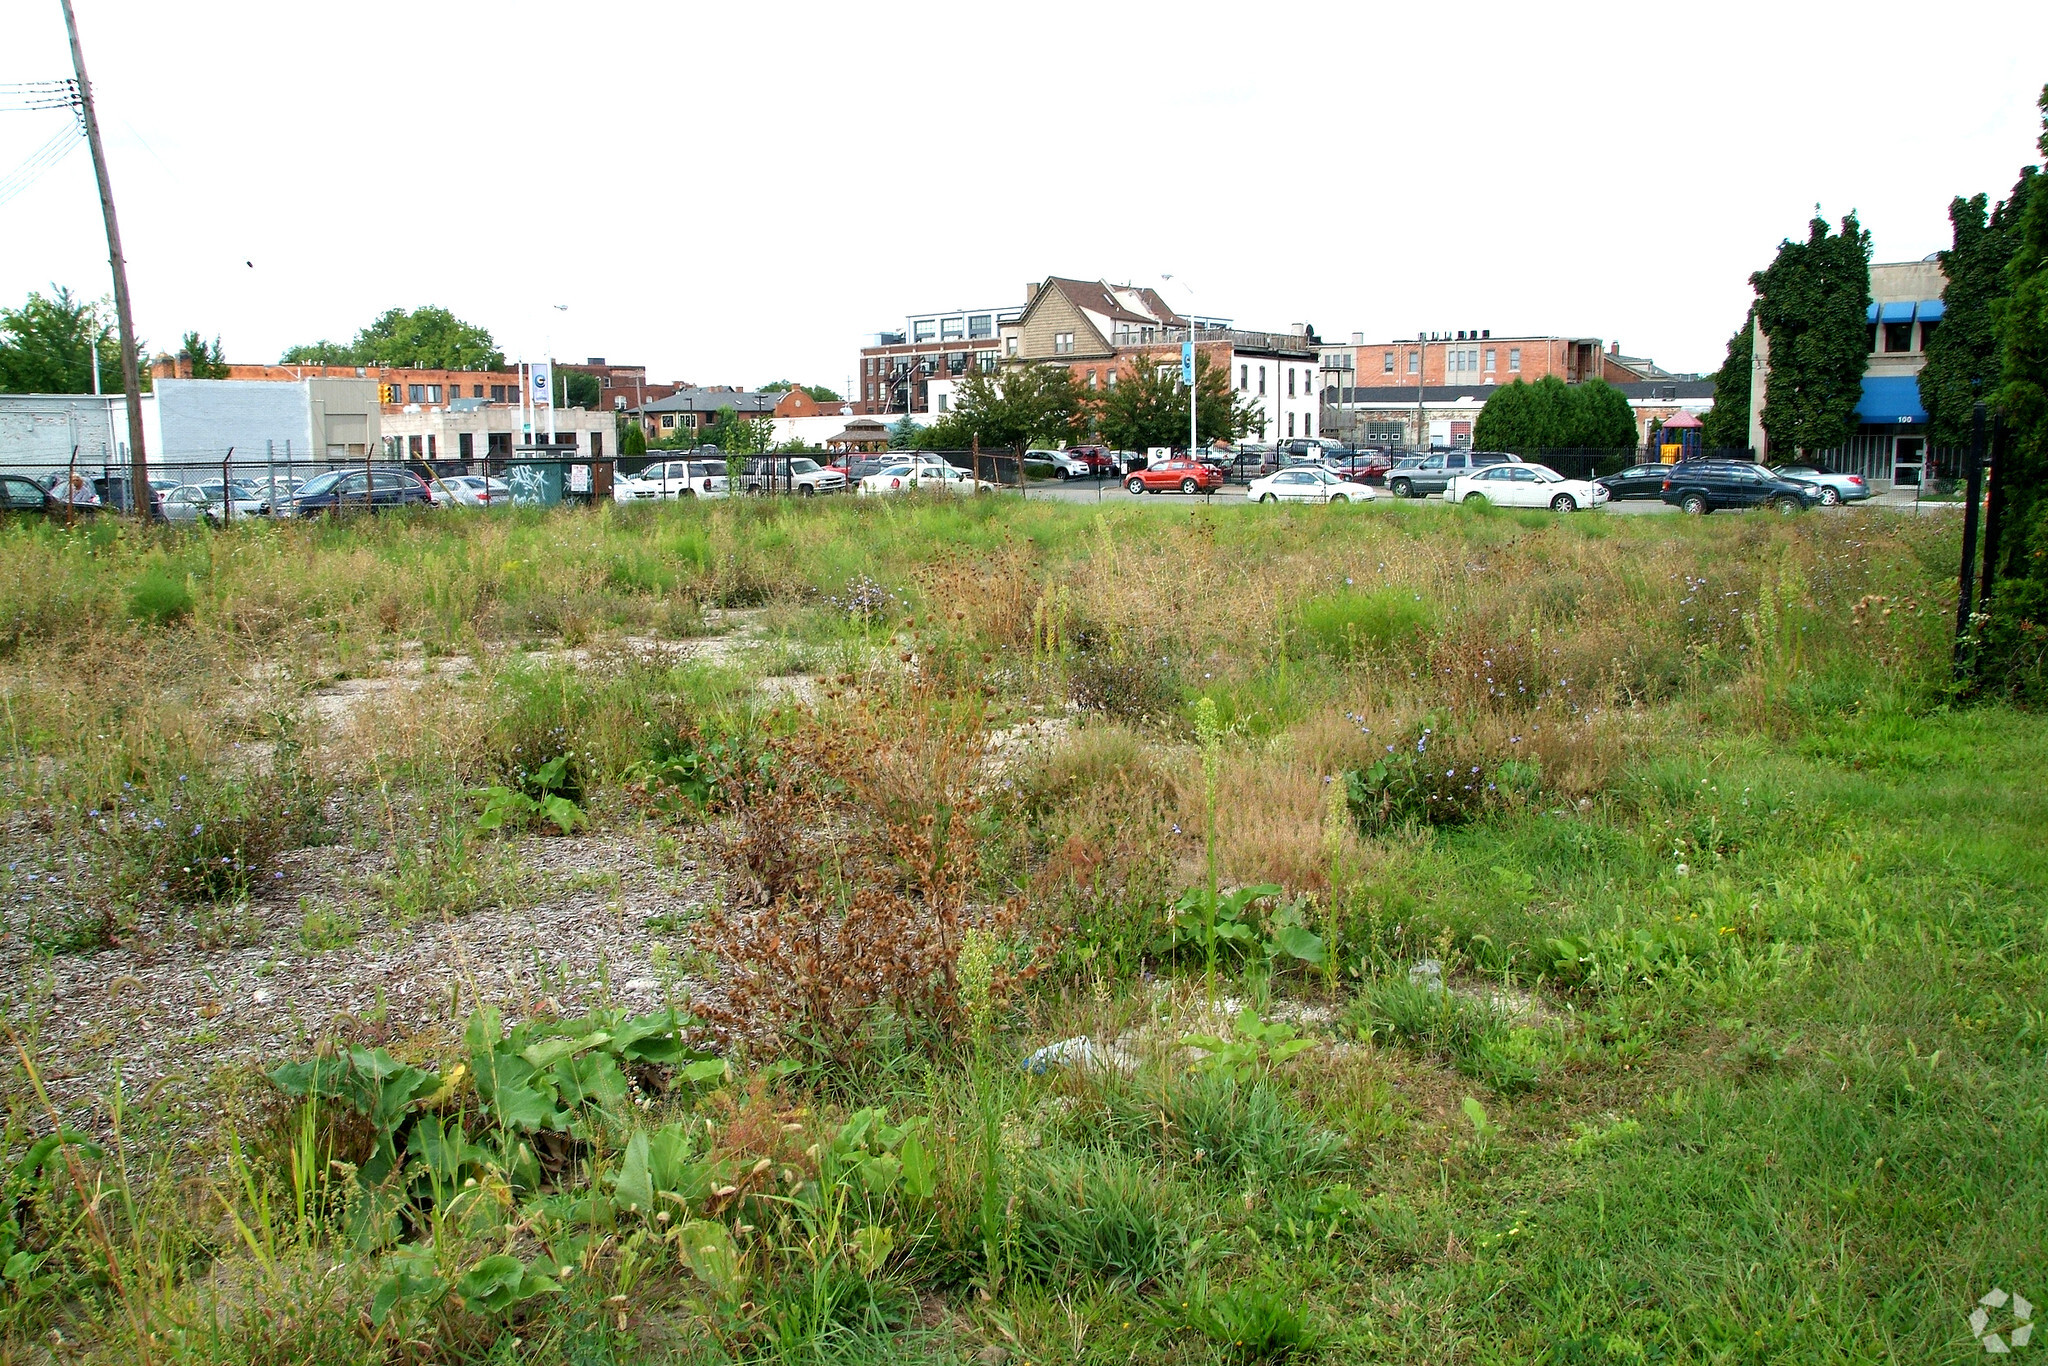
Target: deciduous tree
(1148, 406)
(428, 336)
(1727, 423)
(1813, 301)
(49, 345)
(1019, 405)
(1962, 356)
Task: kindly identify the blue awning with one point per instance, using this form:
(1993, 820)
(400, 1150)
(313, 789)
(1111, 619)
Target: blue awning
(1890, 399)
(1897, 312)
(1871, 316)
(1931, 310)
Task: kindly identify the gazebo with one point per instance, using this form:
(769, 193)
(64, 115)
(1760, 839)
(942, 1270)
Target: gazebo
(1679, 437)
(861, 434)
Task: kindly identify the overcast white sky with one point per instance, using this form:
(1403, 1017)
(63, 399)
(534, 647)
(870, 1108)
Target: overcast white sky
(734, 193)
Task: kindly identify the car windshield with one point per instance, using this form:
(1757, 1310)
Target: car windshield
(321, 483)
(893, 472)
(802, 466)
(1322, 476)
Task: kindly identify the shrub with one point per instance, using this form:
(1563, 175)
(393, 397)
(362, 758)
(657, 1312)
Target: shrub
(1128, 687)
(160, 596)
(1233, 1128)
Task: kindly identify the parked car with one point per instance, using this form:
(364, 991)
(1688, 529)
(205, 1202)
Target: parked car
(188, 505)
(1359, 467)
(1519, 485)
(1065, 464)
(924, 476)
(1434, 472)
(341, 490)
(475, 491)
(22, 498)
(233, 499)
(1101, 460)
(674, 479)
(1317, 448)
(1834, 488)
(790, 474)
(1637, 481)
(1189, 476)
(1307, 484)
(1703, 486)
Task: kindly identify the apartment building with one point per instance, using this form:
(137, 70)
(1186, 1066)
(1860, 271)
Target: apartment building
(896, 367)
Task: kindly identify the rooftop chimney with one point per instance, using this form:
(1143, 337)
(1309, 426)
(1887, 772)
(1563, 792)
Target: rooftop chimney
(1030, 292)
(1616, 348)
(1358, 338)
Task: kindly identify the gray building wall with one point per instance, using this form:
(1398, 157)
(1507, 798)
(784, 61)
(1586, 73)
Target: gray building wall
(42, 429)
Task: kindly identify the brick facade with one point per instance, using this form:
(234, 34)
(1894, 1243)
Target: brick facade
(396, 386)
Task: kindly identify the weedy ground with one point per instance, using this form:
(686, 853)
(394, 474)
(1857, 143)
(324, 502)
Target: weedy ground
(1012, 933)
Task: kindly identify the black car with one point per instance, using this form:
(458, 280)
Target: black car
(1434, 472)
(1703, 486)
(22, 498)
(339, 490)
(1637, 481)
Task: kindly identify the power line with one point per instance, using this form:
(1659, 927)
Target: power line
(28, 96)
(42, 159)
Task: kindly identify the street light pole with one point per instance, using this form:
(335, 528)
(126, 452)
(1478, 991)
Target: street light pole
(131, 373)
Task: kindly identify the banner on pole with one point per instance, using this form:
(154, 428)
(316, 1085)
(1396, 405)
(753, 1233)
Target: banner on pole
(540, 382)
(1187, 363)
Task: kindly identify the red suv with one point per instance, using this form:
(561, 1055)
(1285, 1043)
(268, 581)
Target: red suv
(1100, 461)
(1189, 476)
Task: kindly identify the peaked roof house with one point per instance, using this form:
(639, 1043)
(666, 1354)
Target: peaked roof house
(694, 408)
(1086, 320)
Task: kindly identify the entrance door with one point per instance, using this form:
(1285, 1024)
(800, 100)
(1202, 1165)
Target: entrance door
(1909, 459)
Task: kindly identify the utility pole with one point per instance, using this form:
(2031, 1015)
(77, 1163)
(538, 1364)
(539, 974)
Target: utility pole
(131, 375)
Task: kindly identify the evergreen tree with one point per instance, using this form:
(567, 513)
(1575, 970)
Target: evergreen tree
(1603, 421)
(200, 361)
(1814, 301)
(2015, 654)
(1553, 415)
(1726, 424)
(632, 436)
(1962, 356)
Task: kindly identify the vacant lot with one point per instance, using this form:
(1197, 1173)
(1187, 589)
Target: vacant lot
(1013, 933)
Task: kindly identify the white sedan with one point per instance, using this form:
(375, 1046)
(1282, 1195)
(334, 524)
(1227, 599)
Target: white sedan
(927, 476)
(471, 491)
(1525, 486)
(1306, 484)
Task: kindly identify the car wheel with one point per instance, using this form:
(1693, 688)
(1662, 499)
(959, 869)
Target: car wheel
(1695, 505)
(1786, 506)
(687, 493)
(1830, 496)
(807, 490)
(1402, 488)
(1564, 502)
(1478, 498)
(1340, 498)
(1134, 486)
(1268, 498)
(1188, 486)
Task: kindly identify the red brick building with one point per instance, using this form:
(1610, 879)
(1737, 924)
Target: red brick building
(397, 386)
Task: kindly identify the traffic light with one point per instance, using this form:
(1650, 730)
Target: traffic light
(387, 393)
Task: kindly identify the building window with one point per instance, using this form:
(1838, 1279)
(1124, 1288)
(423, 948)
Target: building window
(1414, 362)
(1290, 381)
(1062, 343)
(668, 421)
(432, 452)
(987, 361)
(1927, 332)
(1898, 336)
(465, 444)
(433, 393)
(1290, 424)
(497, 393)
(1490, 367)
(952, 329)
(1244, 377)
(1112, 380)
(981, 326)
(943, 398)
(1010, 345)
(596, 445)
(1091, 379)
(924, 329)
(1387, 368)
(415, 393)
(415, 446)
(1308, 424)
(1262, 381)
(1514, 358)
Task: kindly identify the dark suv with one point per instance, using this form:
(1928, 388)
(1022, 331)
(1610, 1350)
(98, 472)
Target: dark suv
(1434, 472)
(1703, 486)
